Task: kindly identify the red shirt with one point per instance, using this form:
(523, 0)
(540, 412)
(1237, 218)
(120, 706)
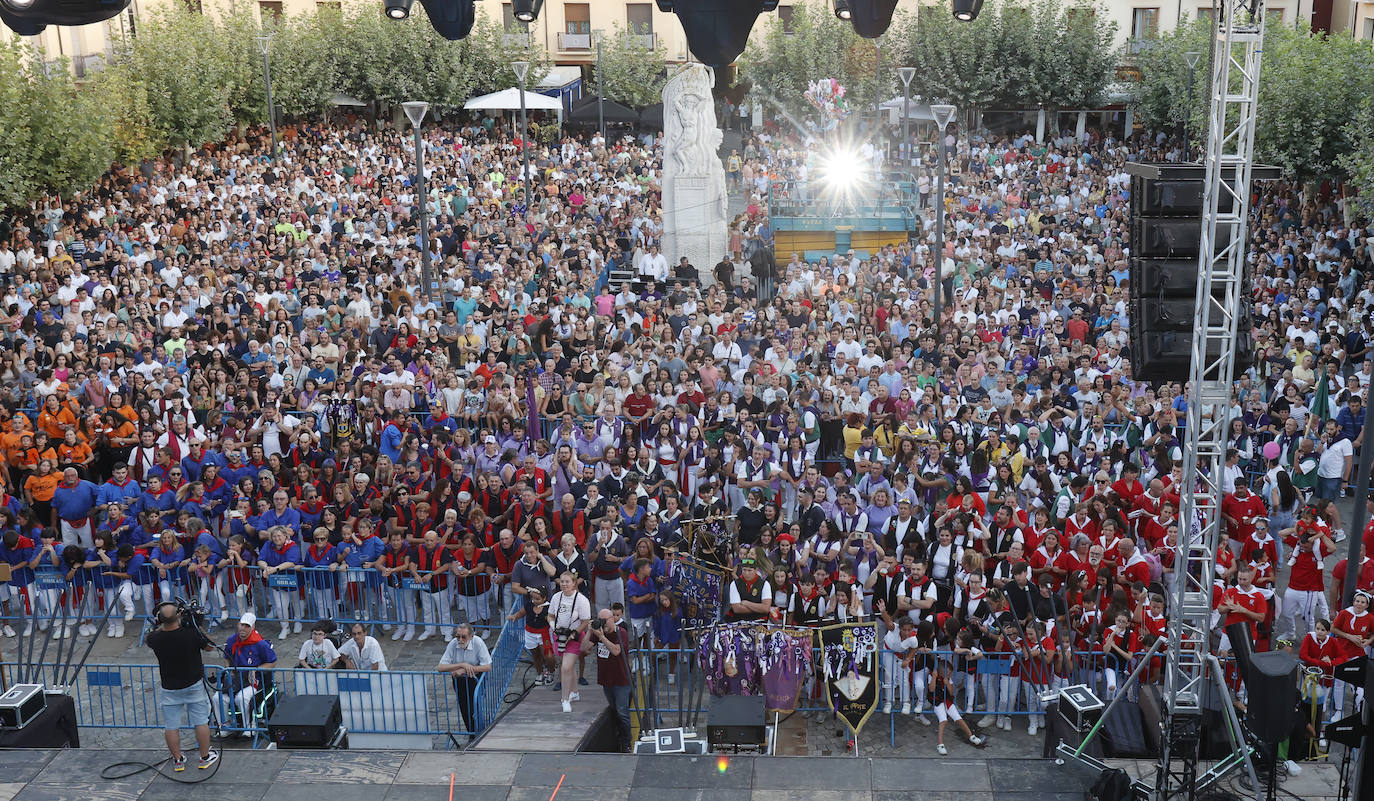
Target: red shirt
(1305, 576)
(638, 406)
(1128, 491)
(1137, 569)
(1351, 623)
(1365, 580)
(1252, 600)
(1073, 524)
(1042, 559)
(1244, 511)
(1315, 652)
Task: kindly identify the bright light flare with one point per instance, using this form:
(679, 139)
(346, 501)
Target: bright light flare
(843, 175)
(722, 763)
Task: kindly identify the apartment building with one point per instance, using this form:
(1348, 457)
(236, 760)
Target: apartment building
(567, 28)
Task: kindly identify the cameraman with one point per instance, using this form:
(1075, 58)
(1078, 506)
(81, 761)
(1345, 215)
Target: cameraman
(183, 697)
(612, 669)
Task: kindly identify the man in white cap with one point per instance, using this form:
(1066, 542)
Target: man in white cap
(247, 654)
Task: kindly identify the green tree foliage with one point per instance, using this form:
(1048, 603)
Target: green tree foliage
(1310, 83)
(779, 62)
(1014, 55)
(632, 73)
(54, 135)
(1358, 161)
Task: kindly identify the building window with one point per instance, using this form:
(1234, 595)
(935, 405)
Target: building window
(639, 18)
(1145, 23)
(785, 15)
(1205, 14)
(270, 10)
(1369, 29)
(1275, 14)
(508, 21)
(577, 17)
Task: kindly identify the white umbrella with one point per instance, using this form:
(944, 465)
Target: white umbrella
(509, 100)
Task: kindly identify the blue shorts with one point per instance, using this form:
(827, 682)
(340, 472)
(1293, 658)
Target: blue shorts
(185, 708)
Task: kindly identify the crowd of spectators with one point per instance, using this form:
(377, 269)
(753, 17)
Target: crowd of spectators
(225, 371)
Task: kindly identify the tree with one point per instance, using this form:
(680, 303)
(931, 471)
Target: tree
(1020, 56)
(1358, 161)
(1298, 129)
(181, 61)
(492, 51)
(781, 60)
(631, 73)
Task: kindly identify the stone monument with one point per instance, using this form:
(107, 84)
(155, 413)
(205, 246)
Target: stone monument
(694, 195)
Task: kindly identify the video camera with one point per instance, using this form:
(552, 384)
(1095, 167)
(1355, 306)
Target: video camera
(192, 617)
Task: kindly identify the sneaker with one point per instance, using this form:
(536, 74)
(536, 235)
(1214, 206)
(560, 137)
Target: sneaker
(424, 635)
(179, 764)
(223, 734)
(1006, 723)
(574, 696)
(978, 740)
(110, 632)
(887, 707)
(941, 750)
(223, 618)
(1292, 767)
(567, 706)
(128, 614)
(582, 681)
(672, 679)
(409, 635)
(285, 632)
(28, 629)
(1338, 535)
(558, 686)
(906, 709)
(922, 719)
(987, 721)
(247, 734)
(397, 634)
(296, 627)
(208, 760)
(57, 633)
(85, 629)
(1032, 729)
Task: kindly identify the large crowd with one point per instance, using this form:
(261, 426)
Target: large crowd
(224, 372)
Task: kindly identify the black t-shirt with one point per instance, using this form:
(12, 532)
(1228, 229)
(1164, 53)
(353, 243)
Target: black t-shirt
(178, 657)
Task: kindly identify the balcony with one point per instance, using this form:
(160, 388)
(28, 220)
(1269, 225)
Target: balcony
(1139, 45)
(87, 65)
(575, 41)
(648, 41)
(519, 39)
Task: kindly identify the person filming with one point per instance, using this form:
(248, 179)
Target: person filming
(182, 695)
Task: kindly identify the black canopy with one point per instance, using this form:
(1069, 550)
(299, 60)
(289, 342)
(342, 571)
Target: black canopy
(585, 110)
(652, 117)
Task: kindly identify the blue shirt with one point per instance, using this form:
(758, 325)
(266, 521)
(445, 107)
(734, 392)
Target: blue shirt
(76, 502)
(290, 518)
(123, 494)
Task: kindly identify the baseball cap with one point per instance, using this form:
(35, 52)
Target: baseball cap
(248, 619)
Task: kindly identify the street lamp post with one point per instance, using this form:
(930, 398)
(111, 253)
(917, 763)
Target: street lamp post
(1192, 57)
(415, 111)
(264, 45)
(522, 68)
(906, 74)
(942, 114)
(600, 93)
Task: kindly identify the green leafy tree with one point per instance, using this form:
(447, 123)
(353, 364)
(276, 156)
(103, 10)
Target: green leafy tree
(632, 73)
(17, 183)
(72, 136)
(1358, 161)
(187, 74)
(779, 61)
(1299, 128)
(491, 51)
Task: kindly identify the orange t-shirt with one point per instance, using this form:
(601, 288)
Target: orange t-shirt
(42, 487)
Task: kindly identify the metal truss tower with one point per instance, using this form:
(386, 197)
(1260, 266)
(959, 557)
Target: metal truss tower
(1234, 95)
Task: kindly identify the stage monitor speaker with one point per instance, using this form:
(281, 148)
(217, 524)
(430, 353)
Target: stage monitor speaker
(1122, 732)
(305, 721)
(1271, 680)
(1172, 197)
(737, 721)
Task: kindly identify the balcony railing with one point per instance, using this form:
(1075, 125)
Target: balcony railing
(574, 41)
(648, 41)
(516, 38)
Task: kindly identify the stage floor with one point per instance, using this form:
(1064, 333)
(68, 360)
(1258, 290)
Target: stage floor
(503, 776)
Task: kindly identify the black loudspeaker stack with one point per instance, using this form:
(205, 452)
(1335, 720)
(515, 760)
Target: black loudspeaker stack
(1166, 228)
(1271, 681)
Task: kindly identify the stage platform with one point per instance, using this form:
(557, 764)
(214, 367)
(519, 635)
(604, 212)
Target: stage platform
(506, 776)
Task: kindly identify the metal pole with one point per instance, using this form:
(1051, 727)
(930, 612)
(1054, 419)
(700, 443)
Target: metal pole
(1191, 58)
(524, 146)
(600, 94)
(939, 226)
(906, 120)
(264, 42)
(425, 259)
